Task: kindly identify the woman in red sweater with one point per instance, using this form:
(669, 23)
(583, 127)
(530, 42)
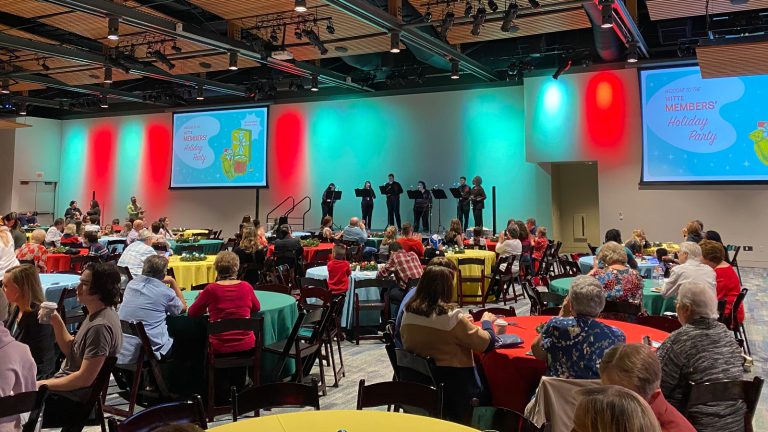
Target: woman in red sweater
(339, 271)
(728, 283)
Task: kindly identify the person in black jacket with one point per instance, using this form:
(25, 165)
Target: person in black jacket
(25, 294)
(367, 205)
(327, 201)
(288, 250)
(421, 208)
(393, 190)
(72, 212)
(477, 196)
(94, 212)
(462, 210)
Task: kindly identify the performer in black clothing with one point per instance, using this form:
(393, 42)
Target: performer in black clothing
(72, 213)
(462, 209)
(367, 205)
(477, 196)
(327, 201)
(421, 208)
(393, 190)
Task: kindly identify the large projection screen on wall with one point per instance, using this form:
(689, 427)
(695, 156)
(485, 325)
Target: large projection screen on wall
(220, 149)
(699, 130)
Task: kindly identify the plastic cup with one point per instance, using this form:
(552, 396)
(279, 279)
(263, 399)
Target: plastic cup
(501, 326)
(46, 310)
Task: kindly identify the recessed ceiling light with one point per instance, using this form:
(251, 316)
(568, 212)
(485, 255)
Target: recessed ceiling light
(341, 49)
(205, 65)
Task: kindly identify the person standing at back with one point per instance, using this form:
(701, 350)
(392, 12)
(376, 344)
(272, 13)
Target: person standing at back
(393, 190)
(134, 209)
(477, 197)
(421, 207)
(327, 202)
(366, 205)
(72, 213)
(462, 205)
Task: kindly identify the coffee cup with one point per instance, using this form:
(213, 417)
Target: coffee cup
(46, 310)
(501, 326)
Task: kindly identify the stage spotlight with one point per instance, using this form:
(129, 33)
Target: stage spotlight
(175, 48)
(508, 25)
(5, 86)
(534, 4)
(22, 108)
(103, 101)
(562, 68)
(315, 85)
(446, 24)
(454, 69)
(107, 74)
(428, 15)
(632, 54)
(161, 57)
(330, 28)
(45, 66)
(297, 33)
(606, 11)
(478, 21)
(468, 9)
(493, 6)
(314, 39)
(113, 28)
(273, 36)
(200, 92)
(300, 5)
(394, 42)
(232, 60)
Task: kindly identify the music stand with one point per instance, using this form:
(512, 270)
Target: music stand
(455, 192)
(364, 193)
(335, 196)
(438, 194)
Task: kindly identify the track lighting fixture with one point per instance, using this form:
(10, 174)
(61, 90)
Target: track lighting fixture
(446, 25)
(428, 15)
(175, 48)
(534, 4)
(454, 69)
(632, 54)
(108, 74)
(493, 6)
(22, 108)
(297, 33)
(103, 101)
(478, 20)
(161, 57)
(113, 28)
(45, 66)
(562, 68)
(300, 5)
(232, 60)
(330, 28)
(315, 86)
(273, 36)
(606, 12)
(200, 92)
(314, 39)
(5, 86)
(394, 42)
(468, 9)
(510, 15)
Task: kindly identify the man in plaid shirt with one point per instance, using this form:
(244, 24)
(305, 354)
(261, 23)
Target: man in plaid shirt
(404, 265)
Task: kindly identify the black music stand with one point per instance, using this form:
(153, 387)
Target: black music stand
(364, 193)
(455, 192)
(439, 195)
(335, 196)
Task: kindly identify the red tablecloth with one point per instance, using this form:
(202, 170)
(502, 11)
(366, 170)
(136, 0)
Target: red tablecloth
(513, 375)
(309, 252)
(59, 262)
(490, 244)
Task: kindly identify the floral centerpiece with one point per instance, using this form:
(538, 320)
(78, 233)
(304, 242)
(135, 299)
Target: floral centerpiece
(364, 266)
(494, 239)
(376, 235)
(58, 250)
(191, 257)
(310, 242)
(454, 249)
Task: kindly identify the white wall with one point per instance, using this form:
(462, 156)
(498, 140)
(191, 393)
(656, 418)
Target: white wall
(7, 140)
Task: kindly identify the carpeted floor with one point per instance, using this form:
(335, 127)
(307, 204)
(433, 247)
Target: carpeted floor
(369, 360)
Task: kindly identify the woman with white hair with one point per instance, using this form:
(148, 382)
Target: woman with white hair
(573, 343)
(691, 269)
(619, 282)
(34, 251)
(701, 351)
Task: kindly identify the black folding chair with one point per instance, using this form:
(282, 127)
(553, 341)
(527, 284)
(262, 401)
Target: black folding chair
(275, 395)
(724, 391)
(186, 412)
(410, 397)
(31, 402)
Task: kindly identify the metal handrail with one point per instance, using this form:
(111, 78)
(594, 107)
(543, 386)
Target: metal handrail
(304, 215)
(293, 204)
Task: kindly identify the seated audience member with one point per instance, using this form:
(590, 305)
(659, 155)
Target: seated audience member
(7, 253)
(135, 253)
(614, 235)
(690, 270)
(94, 213)
(70, 237)
(638, 235)
(619, 282)
(17, 370)
(133, 234)
(432, 327)
(99, 337)
(227, 298)
(693, 231)
(148, 299)
(72, 213)
(355, 232)
(402, 264)
(702, 351)
(326, 229)
(573, 343)
(12, 223)
(455, 227)
(157, 231)
(634, 247)
(288, 250)
(478, 241)
(53, 236)
(436, 261)
(508, 245)
(411, 241)
(94, 247)
(89, 225)
(451, 240)
(390, 236)
(727, 283)
(540, 243)
(636, 367)
(34, 250)
(28, 219)
(115, 227)
(530, 225)
(251, 254)
(261, 236)
(612, 408)
(338, 270)
(526, 246)
(127, 228)
(24, 292)
(715, 236)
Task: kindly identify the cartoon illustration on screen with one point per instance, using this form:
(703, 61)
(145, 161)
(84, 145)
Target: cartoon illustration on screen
(760, 137)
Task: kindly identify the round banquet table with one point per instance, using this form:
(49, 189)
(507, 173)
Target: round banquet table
(189, 273)
(189, 333)
(210, 247)
(59, 262)
(490, 244)
(54, 284)
(513, 374)
(653, 302)
(104, 240)
(644, 266)
(343, 420)
(367, 317)
(474, 288)
(309, 252)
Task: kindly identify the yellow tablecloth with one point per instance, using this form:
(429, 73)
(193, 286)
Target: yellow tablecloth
(671, 247)
(490, 259)
(336, 420)
(191, 232)
(191, 273)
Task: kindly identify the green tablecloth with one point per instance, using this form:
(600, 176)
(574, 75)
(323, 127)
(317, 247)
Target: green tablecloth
(654, 303)
(279, 312)
(374, 242)
(210, 247)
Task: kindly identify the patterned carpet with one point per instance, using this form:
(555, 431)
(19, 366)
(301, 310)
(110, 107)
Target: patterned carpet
(369, 360)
